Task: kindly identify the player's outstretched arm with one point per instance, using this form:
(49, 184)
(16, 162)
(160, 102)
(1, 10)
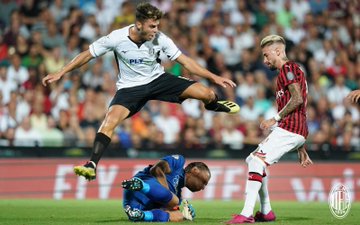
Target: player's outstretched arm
(304, 158)
(354, 96)
(197, 69)
(75, 63)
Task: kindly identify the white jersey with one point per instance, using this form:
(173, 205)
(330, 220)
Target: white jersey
(137, 65)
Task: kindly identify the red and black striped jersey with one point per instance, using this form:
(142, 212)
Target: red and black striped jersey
(295, 121)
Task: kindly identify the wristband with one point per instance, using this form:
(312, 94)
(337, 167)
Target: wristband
(277, 117)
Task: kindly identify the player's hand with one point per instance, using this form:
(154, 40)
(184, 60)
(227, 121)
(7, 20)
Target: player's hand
(354, 96)
(48, 79)
(304, 158)
(188, 210)
(266, 124)
(224, 82)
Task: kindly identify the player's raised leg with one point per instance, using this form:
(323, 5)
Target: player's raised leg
(210, 99)
(115, 115)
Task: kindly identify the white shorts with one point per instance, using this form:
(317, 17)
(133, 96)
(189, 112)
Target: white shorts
(278, 143)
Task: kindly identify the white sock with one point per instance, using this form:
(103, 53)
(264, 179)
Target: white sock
(264, 196)
(251, 193)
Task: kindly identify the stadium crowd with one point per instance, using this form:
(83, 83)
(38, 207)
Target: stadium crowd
(39, 37)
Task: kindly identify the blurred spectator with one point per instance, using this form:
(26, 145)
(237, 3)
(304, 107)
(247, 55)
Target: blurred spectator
(16, 72)
(90, 31)
(338, 92)
(140, 124)
(52, 38)
(326, 54)
(51, 136)
(244, 38)
(16, 28)
(38, 119)
(58, 10)
(252, 136)
(261, 103)
(24, 104)
(218, 40)
(4, 48)
(125, 16)
(299, 8)
(312, 122)
(6, 8)
(248, 111)
(167, 123)
(246, 87)
(318, 6)
(33, 59)
(71, 49)
(93, 78)
(53, 60)
(7, 85)
(230, 136)
(8, 117)
(294, 32)
(26, 135)
(284, 16)
(191, 108)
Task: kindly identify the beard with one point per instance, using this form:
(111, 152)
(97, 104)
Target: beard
(272, 68)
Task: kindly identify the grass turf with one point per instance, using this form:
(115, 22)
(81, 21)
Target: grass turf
(109, 212)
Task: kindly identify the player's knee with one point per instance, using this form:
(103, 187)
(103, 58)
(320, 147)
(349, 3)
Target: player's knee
(256, 168)
(212, 96)
(173, 202)
(208, 96)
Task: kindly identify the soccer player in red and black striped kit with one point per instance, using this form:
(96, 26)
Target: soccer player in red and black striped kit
(289, 130)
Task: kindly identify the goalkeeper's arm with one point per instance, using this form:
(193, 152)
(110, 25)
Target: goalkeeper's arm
(159, 170)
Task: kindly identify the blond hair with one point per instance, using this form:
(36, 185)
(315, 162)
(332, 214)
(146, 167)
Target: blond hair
(272, 39)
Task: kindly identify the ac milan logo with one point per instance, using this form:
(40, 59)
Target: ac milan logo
(339, 201)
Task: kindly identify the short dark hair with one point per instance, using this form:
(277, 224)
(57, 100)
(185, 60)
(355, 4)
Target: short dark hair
(146, 11)
(200, 165)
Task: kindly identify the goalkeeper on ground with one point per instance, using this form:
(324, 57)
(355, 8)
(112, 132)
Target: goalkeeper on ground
(154, 194)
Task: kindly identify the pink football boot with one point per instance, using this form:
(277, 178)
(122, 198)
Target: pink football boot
(260, 217)
(240, 219)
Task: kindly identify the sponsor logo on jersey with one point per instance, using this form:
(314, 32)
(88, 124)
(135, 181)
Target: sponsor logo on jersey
(339, 201)
(280, 93)
(136, 61)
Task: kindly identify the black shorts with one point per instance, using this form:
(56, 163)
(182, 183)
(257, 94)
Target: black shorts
(166, 88)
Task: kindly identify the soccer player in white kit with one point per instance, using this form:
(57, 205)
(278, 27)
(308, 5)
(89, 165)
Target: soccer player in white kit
(289, 131)
(141, 77)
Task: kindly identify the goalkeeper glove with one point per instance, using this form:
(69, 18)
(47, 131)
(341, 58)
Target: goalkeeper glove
(188, 210)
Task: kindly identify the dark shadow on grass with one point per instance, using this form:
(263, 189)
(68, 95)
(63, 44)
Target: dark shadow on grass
(213, 220)
(295, 218)
(112, 220)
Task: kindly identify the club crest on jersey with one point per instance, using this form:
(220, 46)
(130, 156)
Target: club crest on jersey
(290, 76)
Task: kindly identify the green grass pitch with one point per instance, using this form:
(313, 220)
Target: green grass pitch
(109, 212)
